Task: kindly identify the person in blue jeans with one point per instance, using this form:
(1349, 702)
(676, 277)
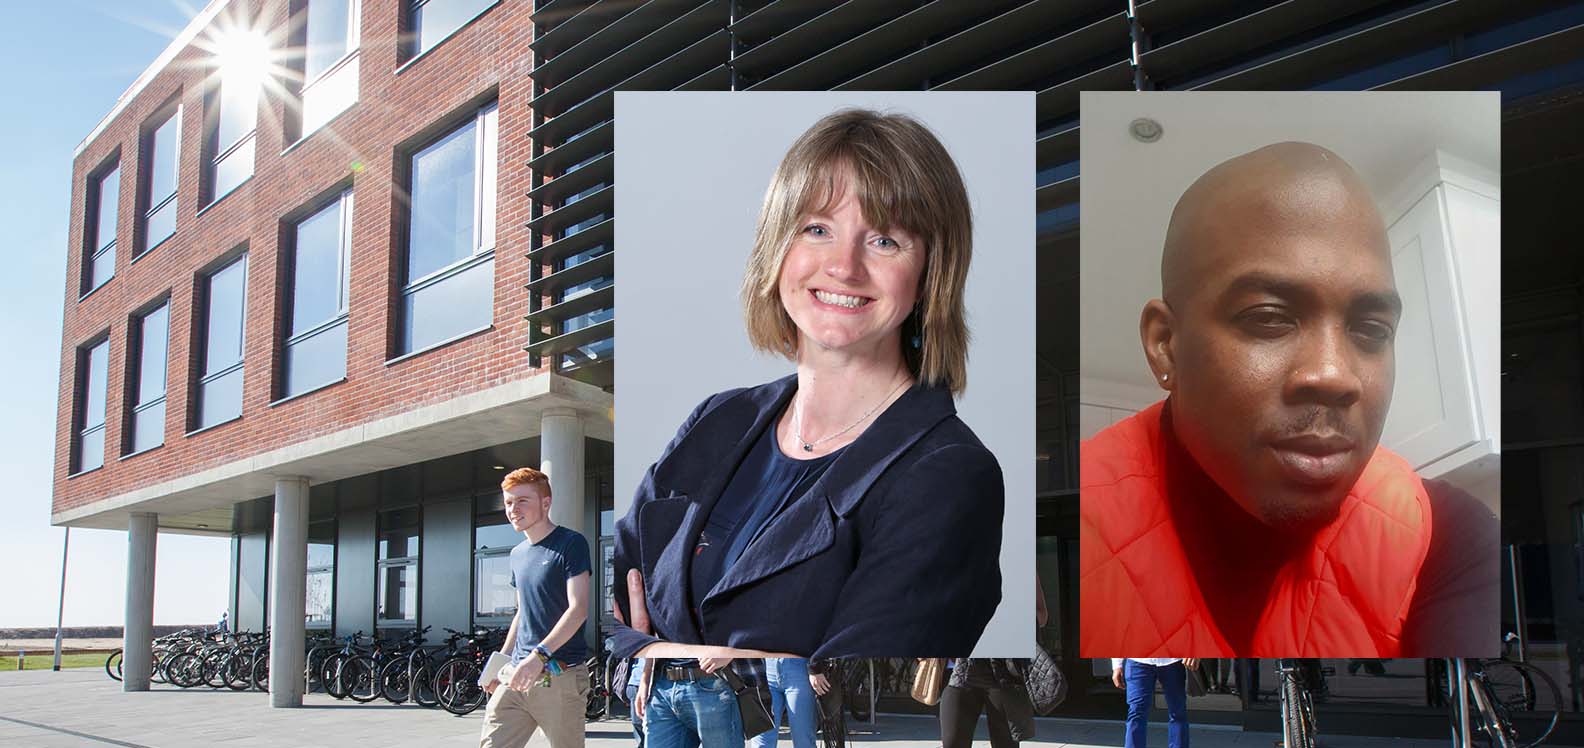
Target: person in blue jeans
(1139, 676)
(791, 694)
(688, 706)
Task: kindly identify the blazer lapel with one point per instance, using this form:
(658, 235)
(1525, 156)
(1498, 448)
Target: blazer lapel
(688, 483)
(806, 526)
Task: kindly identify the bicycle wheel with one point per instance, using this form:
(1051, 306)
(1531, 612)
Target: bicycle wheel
(457, 688)
(213, 669)
(259, 678)
(855, 689)
(360, 678)
(156, 667)
(423, 688)
(330, 675)
(113, 665)
(1526, 700)
(393, 680)
(238, 671)
(313, 669)
(185, 670)
(1295, 723)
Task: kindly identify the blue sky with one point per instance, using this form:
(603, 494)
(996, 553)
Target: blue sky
(70, 60)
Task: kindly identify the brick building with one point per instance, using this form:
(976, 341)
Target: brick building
(296, 315)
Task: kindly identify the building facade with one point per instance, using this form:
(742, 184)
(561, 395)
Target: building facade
(398, 454)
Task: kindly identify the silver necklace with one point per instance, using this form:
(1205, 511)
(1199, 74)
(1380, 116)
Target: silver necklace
(797, 420)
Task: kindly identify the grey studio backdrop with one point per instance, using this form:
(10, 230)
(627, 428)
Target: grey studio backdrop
(691, 172)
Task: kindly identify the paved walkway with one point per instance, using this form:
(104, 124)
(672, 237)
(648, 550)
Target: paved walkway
(83, 708)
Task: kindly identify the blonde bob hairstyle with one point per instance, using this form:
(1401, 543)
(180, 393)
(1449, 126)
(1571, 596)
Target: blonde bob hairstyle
(902, 177)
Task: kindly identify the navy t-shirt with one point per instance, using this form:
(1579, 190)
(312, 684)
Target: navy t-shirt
(540, 572)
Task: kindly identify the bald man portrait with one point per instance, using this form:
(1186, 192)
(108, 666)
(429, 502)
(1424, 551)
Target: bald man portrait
(1253, 512)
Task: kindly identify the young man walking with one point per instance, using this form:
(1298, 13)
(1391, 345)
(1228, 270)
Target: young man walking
(547, 684)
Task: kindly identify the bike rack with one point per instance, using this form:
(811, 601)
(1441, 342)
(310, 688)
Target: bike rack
(1460, 671)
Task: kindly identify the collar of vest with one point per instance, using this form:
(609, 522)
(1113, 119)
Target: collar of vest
(1347, 595)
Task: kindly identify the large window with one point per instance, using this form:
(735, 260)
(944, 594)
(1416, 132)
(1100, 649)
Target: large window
(224, 320)
(330, 60)
(434, 20)
(398, 567)
(232, 122)
(449, 270)
(99, 227)
(92, 368)
(316, 332)
(494, 598)
(600, 349)
(321, 573)
(150, 334)
(160, 147)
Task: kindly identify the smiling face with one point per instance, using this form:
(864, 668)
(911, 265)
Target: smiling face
(1282, 311)
(527, 505)
(847, 285)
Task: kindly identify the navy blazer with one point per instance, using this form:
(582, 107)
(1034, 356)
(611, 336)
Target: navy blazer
(894, 551)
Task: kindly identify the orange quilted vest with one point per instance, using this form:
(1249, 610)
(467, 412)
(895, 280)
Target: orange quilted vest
(1347, 597)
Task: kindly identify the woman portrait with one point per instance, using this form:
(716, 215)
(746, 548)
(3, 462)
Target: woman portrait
(843, 508)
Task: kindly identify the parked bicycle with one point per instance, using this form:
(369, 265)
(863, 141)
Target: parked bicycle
(1298, 684)
(1512, 704)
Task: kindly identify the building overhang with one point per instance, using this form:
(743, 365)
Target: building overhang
(201, 502)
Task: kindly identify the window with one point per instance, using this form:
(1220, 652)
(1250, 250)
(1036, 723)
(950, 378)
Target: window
(398, 567)
(160, 146)
(449, 282)
(99, 227)
(330, 60)
(224, 320)
(493, 539)
(92, 368)
(150, 334)
(600, 349)
(233, 118)
(434, 20)
(316, 332)
(321, 573)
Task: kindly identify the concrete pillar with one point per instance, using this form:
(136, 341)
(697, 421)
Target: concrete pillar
(137, 644)
(288, 584)
(561, 457)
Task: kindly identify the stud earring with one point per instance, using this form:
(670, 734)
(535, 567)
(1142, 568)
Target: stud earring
(1165, 377)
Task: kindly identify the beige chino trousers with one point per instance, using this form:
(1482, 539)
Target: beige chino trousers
(511, 717)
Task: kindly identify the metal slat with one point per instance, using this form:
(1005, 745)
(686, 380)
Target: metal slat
(557, 159)
(569, 341)
(777, 17)
(1056, 194)
(877, 45)
(1033, 64)
(567, 30)
(589, 302)
(560, 249)
(602, 169)
(846, 19)
(582, 272)
(570, 215)
(1498, 65)
(967, 45)
(599, 107)
(1244, 34)
(596, 73)
(1057, 148)
(1062, 98)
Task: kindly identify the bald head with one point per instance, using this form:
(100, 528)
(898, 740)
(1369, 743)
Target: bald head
(1281, 189)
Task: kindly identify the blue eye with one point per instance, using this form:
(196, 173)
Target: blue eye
(816, 230)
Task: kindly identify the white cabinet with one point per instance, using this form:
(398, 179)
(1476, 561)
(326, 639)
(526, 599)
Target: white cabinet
(1445, 413)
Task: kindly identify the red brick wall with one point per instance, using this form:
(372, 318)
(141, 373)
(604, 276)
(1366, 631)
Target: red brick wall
(489, 55)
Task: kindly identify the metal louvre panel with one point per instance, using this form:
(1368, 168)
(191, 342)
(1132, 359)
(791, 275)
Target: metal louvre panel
(570, 215)
(571, 341)
(556, 160)
(775, 17)
(589, 302)
(1245, 34)
(1307, 64)
(602, 169)
(880, 45)
(636, 40)
(1001, 36)
(840, 23)
(579, 273)
(560, 249)
(559, 25)
(1491, 68)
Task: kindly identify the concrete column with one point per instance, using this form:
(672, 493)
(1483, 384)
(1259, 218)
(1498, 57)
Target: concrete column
(288, 591)
(137, 655)
(561, 457)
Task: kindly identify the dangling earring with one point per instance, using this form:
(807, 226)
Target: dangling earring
(918, 342)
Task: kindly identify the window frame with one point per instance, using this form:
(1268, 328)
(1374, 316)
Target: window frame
(411, 561)
(481, 554)
(203, 310)
(148, 145)
(297, 124)
(413, 48)
(309, 571)
(94, 244)
(345, 201)
(486, 142)
(131, 402)
(214, 152)
(83, 380)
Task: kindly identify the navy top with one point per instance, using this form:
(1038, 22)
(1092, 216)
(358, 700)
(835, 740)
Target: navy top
(540, 572)
(763, 483)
